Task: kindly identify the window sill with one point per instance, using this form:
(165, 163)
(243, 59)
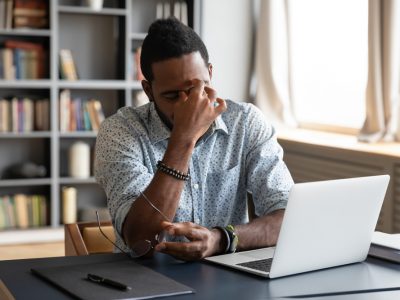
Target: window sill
(337, 141)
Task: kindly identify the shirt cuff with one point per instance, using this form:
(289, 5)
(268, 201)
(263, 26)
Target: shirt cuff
(121, 214)
(277, 202)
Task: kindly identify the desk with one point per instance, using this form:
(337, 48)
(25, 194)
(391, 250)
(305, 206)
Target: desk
(215, 282)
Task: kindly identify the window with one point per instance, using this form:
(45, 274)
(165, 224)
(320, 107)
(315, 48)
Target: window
(329, 57)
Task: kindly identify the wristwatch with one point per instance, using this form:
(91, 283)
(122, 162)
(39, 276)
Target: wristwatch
(233, 238)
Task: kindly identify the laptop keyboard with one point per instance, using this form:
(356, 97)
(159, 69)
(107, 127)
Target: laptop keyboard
(261, 265)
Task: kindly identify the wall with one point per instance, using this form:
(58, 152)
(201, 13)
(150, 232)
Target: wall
(226, 31)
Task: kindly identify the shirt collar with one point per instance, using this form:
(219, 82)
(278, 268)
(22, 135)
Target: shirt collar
(158, 131)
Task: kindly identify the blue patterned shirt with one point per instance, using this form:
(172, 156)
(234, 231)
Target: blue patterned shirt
(239, 154)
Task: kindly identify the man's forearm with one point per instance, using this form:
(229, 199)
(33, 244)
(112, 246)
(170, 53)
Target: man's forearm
(164, 191)
(261, 232)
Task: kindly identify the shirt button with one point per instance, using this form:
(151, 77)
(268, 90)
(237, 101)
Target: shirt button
(196, 186)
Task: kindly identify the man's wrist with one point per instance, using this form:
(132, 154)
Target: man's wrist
(182, 140)
(178, 154)
(220, 241)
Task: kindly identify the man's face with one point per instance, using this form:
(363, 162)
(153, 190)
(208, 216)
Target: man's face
(173, 76)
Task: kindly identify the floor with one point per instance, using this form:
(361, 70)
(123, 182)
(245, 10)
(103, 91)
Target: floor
(31, 250)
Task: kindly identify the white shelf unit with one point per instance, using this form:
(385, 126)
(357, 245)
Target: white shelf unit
(101, 43)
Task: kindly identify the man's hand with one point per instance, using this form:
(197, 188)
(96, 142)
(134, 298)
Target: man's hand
(202, 241)
(194, 112)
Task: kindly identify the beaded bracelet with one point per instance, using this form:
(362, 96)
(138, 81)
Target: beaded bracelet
(171, 171)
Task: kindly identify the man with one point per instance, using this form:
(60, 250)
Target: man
(184, 163)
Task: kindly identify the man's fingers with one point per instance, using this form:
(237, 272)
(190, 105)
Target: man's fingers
(221, 107)
(165, 224)
(211, 93)
(189, 230)
(186, 251)
(198, 87)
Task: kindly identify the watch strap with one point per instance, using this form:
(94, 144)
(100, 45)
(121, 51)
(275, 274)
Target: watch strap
(233, 238)
(225, 235)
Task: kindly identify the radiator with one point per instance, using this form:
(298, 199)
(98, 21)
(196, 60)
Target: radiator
(308, 162)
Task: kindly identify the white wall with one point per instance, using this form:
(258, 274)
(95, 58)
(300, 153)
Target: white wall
(226, 31)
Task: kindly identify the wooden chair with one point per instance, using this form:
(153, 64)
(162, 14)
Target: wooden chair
(84, 238)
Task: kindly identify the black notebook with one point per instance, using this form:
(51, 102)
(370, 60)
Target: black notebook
(144, 282)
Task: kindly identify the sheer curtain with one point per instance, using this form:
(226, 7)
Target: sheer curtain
(272, 63)
(382, 95)
(274, 93)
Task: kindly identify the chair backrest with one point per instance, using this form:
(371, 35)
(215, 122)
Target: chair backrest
(84, 238)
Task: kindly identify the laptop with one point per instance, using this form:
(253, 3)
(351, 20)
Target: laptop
(326, 224)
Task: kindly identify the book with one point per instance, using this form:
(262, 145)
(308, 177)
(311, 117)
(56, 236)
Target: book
(14, 114)
(37, 8)
(21, 206)
(99, 114)
(64, 113)
(42, 116)
(17, 63)
(32, 58)
(27, 115)
(30, 22)
(3, 215)
(86, 116)
(10, 210)
(385, 246)
(43, 211)
(67, 65)
(8, 17)
(72, 116)
(8, 64)
(30, 14)
(92, 115)
(386, 240)
(23, 211)
(4, 115)
(144, 282)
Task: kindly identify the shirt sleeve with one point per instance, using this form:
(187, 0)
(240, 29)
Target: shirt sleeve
(268, 179)
(119, 167)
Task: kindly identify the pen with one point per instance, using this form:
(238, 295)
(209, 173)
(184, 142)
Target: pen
(108, 282)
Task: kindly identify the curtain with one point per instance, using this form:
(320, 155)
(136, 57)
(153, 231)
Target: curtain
(382, 121)
(272, 63)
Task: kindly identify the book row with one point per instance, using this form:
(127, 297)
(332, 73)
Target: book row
(22, 60)
(23, 211)
(78, 114)
(23, 14)
(24, 115)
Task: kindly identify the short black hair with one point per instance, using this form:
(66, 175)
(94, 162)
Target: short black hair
(169, 38)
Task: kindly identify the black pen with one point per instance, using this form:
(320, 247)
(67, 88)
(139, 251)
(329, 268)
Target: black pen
(108, 282)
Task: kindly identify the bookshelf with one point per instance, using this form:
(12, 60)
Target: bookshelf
(101, 43)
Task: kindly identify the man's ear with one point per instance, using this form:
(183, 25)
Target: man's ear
(147, 89)
(210, 69)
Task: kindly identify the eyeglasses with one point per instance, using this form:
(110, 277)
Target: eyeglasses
(140, 248)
